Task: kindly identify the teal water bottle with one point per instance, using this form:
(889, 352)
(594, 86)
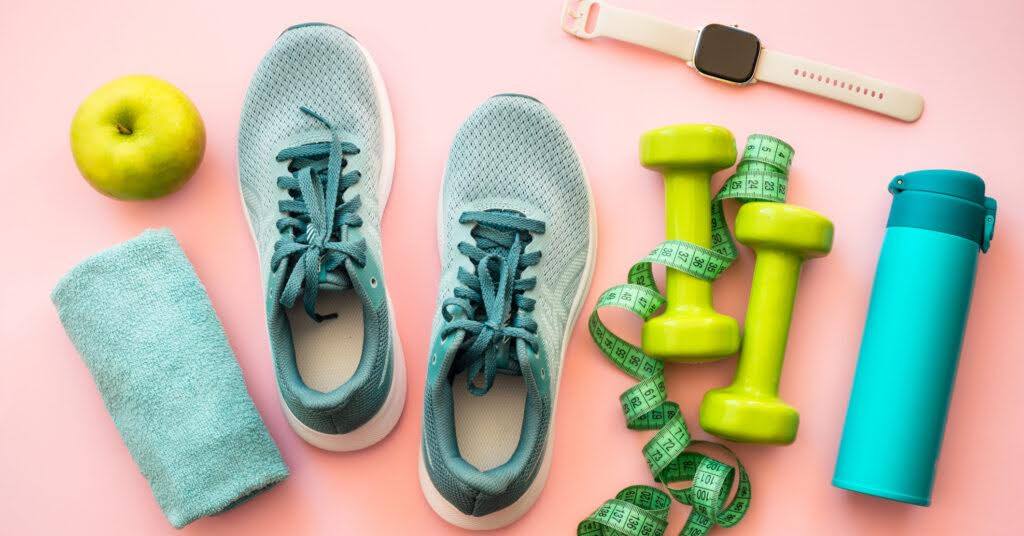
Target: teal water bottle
(938, 222)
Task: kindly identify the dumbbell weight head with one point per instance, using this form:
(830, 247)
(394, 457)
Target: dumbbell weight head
(737, 414)
(691, 335)
(783, 227)
(702, 147)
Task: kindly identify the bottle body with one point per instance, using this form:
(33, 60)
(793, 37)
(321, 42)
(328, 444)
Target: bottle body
(907, 364)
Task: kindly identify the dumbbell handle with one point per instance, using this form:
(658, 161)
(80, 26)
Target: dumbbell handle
(687, 218)
(769, 312)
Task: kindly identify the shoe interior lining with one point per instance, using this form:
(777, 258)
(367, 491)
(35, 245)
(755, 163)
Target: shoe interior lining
(488, 427)
(327, 353)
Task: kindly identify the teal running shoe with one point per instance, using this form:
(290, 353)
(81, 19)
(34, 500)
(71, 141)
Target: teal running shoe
(517, 239)
(316, 150)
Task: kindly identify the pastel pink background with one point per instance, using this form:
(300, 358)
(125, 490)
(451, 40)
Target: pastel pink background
(64, 469)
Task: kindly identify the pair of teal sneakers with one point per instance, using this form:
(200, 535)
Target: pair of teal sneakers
(516, 232)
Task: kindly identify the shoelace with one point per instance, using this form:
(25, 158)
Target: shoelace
(494, 311)
(314, 231)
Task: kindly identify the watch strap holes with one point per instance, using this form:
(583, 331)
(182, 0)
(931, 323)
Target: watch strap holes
(828, 80)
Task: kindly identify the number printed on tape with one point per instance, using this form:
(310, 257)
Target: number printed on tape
(761, 175)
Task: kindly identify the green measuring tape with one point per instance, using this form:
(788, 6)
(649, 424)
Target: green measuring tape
(761, 175)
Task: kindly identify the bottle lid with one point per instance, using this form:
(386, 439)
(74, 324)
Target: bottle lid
(946, 201)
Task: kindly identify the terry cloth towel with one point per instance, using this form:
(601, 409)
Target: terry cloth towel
(144, 326)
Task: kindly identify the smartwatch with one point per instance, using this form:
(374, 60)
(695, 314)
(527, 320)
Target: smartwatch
(737, 57)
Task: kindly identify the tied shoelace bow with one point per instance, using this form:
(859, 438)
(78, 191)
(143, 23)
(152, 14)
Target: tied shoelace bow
(491, 307)
(315, 229)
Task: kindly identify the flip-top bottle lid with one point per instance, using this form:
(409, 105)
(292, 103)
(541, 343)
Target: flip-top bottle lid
(946, 201)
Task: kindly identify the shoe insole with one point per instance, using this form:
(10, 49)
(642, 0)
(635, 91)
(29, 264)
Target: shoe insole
(327, 353)
(488, 427)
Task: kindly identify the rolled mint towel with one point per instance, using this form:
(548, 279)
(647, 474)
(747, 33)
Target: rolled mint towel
(144, 326)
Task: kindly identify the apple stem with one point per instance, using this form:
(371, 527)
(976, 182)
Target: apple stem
(123, 129)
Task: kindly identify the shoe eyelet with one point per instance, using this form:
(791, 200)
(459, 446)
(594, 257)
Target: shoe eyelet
(433, 359)
(373, 282)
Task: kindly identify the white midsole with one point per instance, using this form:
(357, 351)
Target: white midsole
(516, 510)
(387, 417)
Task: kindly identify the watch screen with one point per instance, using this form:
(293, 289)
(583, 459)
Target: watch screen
(727, 53)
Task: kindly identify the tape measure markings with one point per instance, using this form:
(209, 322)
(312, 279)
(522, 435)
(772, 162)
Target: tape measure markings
(642, 510)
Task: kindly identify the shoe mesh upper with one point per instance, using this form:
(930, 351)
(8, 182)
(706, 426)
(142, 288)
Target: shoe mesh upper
(322, 68)
(510, 154)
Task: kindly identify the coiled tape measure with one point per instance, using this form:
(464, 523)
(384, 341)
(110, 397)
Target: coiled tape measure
(640, 510)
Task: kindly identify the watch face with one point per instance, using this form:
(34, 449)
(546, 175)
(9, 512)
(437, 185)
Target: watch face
(727, 53)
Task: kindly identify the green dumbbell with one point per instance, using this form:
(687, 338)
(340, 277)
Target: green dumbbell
(749, 410)
(689, 330)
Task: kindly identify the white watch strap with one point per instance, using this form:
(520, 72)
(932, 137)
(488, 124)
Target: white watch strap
(772, 67)
(838, 84)
(630, 26)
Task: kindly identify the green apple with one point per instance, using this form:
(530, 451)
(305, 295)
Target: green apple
(137, 137)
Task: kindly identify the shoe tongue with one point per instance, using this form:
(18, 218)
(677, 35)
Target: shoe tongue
(508, 364)
(334, 280)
